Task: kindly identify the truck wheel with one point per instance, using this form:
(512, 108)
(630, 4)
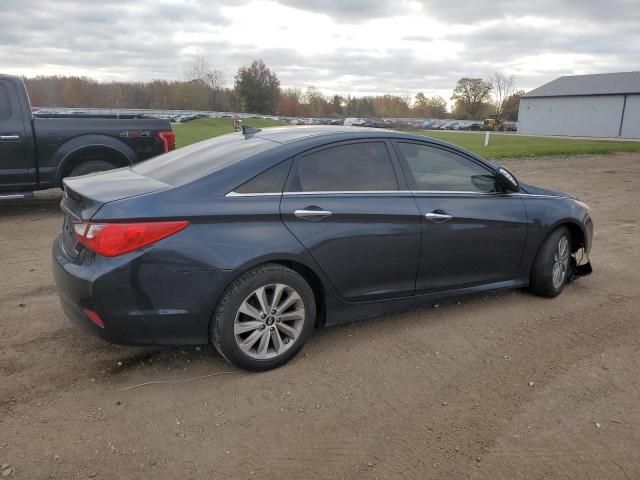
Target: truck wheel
(91, 166)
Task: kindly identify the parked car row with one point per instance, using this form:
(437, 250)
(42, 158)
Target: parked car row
(403, 123)
(473, 125)
(183, 116)
(316, 121)
(370, 122)
(188, 118)
(349, 122)
(440, 124)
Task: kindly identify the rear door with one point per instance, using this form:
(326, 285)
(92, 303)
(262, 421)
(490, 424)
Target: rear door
(17, 168)
(472, 231)
(348, 204)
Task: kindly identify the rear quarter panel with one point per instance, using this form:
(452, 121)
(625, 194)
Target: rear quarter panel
(226, 233)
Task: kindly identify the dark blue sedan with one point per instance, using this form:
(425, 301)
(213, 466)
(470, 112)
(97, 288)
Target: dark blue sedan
(252, 239)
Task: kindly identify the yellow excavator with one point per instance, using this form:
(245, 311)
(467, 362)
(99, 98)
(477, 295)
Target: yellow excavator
(494, 123)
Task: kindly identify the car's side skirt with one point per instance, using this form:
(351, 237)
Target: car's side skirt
(340, 311)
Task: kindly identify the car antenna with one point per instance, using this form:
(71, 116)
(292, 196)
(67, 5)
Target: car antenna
(248, 131)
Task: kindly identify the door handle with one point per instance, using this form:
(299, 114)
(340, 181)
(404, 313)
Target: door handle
(437, 217)
(9, 137)
(306, 213)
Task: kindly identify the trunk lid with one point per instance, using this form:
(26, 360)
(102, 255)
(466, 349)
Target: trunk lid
(85, 195)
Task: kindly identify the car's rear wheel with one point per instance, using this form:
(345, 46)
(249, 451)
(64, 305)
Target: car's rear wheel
(552, 267)
(264, 318)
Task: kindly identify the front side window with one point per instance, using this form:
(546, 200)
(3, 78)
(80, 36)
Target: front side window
(435, 169)
(364, 166)
(5, 107)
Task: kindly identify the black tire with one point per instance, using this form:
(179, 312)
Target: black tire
(91, 166)
(541, 280)
(222, 325)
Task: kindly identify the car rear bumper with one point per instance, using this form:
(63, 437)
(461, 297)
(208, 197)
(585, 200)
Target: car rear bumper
(138, 301)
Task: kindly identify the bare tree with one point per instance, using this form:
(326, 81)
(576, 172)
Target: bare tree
(200, 71)
(502, 88)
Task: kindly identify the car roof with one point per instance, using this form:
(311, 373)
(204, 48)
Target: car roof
(242, 156)
(296, 137)
(294, 133)
(321, 134)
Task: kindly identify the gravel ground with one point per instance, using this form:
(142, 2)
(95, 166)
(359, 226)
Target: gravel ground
(506, 385)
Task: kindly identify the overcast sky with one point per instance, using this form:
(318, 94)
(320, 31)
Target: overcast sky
(344, 46)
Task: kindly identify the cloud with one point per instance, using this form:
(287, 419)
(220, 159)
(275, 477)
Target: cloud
(352, 11)
(473, 12)
(340, 46)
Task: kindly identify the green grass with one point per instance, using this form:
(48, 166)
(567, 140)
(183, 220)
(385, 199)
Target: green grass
(500, 145)
(197, 130)
(511, 146)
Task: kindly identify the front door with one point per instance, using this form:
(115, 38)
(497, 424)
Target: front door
(16, 170)
(473, 232)
(348, 205)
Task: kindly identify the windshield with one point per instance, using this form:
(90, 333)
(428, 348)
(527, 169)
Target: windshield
(200, 159)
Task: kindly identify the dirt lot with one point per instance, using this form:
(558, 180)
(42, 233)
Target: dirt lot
(499, 386)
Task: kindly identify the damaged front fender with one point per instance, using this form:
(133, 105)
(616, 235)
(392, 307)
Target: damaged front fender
(579, 267)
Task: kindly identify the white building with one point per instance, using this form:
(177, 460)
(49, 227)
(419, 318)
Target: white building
(604, 105)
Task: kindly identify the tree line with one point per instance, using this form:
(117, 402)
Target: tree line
(256, 89)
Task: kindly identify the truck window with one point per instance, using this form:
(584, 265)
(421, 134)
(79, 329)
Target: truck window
(5, 107)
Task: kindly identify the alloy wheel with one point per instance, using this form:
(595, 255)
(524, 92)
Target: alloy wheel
(269, 321)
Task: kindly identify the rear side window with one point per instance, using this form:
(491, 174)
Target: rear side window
(269, 181)
(352, 167)
(5, 107)
(435, 169)
(190, 163)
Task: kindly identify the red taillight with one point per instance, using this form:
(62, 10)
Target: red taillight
(94, 317)
(113, 239)
(168, 139)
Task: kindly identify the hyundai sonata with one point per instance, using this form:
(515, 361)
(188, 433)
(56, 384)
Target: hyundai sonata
(250, 240)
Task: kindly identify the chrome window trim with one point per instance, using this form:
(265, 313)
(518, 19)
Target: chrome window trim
(534, 195)
(454, 192)
(393, 192)
(265, 194)
(328, 192)
(350, 192)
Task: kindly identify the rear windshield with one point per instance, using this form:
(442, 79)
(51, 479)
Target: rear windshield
(187, 164)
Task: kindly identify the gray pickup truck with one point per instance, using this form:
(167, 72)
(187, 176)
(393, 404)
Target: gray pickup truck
(37, 152)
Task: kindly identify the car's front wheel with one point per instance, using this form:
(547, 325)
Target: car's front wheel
(264, 318)
(551, 268)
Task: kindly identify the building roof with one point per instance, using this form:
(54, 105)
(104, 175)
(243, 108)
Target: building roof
(598, 84)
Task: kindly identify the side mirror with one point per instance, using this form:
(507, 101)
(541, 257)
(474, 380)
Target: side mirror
(507, 179)
(485, 183)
